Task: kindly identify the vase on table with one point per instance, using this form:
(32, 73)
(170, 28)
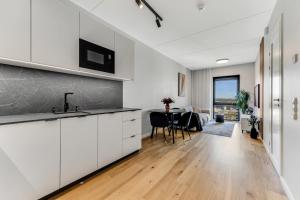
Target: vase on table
(167, 106)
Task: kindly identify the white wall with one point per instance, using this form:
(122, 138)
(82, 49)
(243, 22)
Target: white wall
(291, 82)
(155, 78)
(257, 80)
(202, 83)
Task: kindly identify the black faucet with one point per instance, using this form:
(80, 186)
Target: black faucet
(66, 104)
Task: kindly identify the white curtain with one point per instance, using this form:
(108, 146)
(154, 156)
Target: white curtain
(202, 89)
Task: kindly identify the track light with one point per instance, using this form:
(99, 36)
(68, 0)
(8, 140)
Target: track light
(158, 22)
(158, 18)
(139, 3)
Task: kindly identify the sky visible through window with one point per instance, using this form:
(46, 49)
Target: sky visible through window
(226, 89)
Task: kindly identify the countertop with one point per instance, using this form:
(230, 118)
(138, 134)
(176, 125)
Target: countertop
(14, 119)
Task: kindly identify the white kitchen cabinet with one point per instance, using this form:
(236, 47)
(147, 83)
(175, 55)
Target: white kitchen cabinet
(15, 29)
(55, 34)
(92, 30)
(30, 160)
(109, 138)
(124, 56)
(132, 132)
(78, 148)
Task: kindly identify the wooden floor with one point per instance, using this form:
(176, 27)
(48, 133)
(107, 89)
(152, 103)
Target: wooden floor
(207, 167)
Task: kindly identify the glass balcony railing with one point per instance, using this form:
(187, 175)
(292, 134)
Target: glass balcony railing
(230, 112)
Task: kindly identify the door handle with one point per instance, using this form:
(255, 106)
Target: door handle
(133, 120)
(133, 136)
(278, 100)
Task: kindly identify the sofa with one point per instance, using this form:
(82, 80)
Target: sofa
(204, 114)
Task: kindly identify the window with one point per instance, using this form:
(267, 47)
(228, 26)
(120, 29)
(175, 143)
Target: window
(224, 97)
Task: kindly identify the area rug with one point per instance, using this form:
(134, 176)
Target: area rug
(221, 129)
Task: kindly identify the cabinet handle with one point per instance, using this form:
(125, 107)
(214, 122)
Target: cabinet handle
(133, 120)
(133, 136)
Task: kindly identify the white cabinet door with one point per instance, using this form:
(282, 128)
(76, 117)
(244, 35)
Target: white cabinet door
(132, 132)
(15, 29)
(30, 160)
(110, 138)
(131, 136)
(95, 32)
(124, 55)
(78, 148)
(55, 34)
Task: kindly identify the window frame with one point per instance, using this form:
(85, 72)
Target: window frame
(232, 77)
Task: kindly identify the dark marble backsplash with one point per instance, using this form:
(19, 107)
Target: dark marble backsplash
(25, 90)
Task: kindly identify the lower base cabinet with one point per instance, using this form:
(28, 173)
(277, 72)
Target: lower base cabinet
(39, 158)
(29, 157)
(131, 144)
(78, 148)
(132, 133)
(109, 138)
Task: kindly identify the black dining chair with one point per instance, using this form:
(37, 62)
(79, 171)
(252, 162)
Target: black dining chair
(184, 123)
(159, 120)
(173, 120)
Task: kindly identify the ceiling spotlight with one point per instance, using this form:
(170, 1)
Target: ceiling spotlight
(139, 3)
(158, 22)
(222, 61)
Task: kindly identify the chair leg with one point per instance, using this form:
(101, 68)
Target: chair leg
(182, 133)
(152, 132)
(164, 133)
(156, 131)
(169, 130)
(189, 133)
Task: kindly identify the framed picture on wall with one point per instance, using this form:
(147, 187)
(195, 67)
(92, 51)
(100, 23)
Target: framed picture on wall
(257, 96)
(181, 85)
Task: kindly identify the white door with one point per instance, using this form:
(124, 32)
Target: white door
(110, 138)
(78, 148)
(276, 93)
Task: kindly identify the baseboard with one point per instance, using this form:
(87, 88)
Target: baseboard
(285, 186)
(145, 135)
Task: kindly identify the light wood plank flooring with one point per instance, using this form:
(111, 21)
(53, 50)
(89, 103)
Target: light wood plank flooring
(207, 167)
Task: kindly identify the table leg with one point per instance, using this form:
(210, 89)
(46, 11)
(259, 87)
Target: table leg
(173, 131)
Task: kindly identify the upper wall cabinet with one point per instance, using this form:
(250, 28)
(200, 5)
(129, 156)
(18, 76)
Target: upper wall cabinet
(15, 29)
(124, 54)
(95, 32)
(55, 34)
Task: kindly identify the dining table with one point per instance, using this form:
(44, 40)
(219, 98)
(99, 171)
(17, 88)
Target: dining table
(171, 112)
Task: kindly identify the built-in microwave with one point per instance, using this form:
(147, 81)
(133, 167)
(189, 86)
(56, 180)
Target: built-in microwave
(95, 57)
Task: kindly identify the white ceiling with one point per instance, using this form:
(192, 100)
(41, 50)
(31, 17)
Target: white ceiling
(225, 29)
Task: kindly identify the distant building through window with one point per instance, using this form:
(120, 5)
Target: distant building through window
(226, 88)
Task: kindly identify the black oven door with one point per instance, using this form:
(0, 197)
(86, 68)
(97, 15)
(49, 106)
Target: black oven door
(92, 56)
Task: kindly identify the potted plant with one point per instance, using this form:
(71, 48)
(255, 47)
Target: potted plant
(167, 101)
(253, 121)
(242, 100)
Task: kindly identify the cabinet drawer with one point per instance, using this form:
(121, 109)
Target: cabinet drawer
(131, 144)
(131, 128)
(131, 116)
